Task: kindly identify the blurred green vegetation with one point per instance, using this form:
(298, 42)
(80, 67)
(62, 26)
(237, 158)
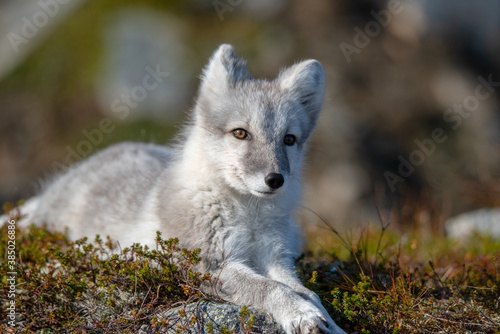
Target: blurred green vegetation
(331, 244)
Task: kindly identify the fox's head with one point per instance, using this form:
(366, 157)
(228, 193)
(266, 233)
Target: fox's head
(255, 130)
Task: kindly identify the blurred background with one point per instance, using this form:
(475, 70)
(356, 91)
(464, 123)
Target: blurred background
(409, 134)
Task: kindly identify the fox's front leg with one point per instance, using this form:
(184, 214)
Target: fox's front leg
(285, 272)
(287, 275)
(297, 314)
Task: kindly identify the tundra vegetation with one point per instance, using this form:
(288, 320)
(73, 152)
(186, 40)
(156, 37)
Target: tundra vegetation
(377, 281)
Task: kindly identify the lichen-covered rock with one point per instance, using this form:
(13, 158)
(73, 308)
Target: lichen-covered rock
(211, 317)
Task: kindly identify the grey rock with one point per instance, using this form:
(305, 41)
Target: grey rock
(213, 317)
(140, 41)
(484, 221)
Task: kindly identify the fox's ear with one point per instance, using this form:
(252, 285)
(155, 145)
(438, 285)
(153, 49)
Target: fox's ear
(224, 69)
(306, 82)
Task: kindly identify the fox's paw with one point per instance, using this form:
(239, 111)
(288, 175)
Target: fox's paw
(309, 319)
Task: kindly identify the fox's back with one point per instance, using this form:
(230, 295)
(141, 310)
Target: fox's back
(105, 193)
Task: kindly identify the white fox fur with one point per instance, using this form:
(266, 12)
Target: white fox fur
(229, 187)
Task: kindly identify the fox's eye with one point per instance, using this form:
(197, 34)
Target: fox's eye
(241, 134)
(289, 140)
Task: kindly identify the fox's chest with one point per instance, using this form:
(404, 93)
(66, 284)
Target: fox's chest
(254, 241)
(229, 231)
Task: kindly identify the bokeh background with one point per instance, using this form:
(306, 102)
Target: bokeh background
(409, 134)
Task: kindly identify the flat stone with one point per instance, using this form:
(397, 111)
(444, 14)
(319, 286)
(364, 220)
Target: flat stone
(213, 317)
(484, 221)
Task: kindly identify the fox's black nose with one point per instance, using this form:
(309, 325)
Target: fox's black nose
(274, 180)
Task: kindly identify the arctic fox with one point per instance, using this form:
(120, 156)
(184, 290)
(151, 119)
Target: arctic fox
(229, 187)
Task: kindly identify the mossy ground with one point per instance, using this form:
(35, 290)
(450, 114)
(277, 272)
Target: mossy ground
(380, 282)
(90, 287)
(383, 282)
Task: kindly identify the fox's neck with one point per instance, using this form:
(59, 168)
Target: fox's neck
(194, 169)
